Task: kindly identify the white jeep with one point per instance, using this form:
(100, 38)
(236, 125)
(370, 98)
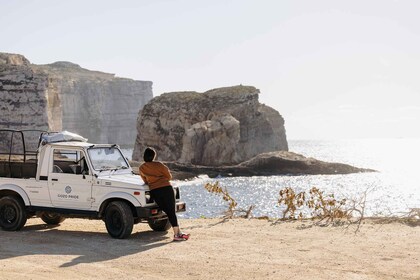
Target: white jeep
(65, 176)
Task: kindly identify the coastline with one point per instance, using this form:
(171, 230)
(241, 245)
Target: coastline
(232, 249)
(265, 164)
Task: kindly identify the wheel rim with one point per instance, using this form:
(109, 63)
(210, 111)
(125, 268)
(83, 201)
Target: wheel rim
(8, 214)
(51, 216)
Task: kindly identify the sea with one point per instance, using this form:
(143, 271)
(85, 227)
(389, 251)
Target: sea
(391, 191)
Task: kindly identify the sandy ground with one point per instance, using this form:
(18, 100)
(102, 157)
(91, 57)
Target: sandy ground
(236, 249)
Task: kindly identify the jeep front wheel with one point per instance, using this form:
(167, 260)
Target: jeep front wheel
(119, 219)
(51, 218)
(12, 213)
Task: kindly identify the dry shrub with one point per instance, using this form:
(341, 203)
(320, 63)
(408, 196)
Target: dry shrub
(293, 202)
(230, 213)
(324, 208)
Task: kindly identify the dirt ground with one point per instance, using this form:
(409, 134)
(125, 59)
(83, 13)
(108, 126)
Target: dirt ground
(235, 249)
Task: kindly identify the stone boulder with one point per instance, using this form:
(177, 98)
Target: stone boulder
(213, 142)
(202, 128)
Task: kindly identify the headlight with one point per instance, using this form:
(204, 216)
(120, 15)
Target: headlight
(148, 197)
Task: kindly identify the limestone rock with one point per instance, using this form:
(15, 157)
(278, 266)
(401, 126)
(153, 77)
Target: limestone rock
(213, 142)
(282, 162)
(23, 103)
(266, 164)
(172, 120)
(13, 59)
(64, 96)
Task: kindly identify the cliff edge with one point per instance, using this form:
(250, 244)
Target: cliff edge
(65, 96)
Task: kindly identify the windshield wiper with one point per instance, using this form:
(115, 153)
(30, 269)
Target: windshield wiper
(105, 168)
(113, 168)
(109, 168)
(119, 167)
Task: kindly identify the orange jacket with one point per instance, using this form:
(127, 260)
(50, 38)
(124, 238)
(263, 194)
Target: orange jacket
(155, 174)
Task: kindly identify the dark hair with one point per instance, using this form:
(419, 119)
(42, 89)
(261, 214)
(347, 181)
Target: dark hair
(149, 154)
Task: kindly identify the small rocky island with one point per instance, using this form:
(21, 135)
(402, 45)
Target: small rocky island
(223, 126)
(267, 164)
(222, 132)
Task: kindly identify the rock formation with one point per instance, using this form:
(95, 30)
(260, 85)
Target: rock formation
(64, 96)
(222, 126)
(23, 103)
(266, 164)
(206, 139)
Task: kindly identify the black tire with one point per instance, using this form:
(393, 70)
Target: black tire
(51, 218)
(119, 219)
(159, 225)
(12, 213)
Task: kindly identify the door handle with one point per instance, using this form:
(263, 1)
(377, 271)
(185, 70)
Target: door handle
(54, 179)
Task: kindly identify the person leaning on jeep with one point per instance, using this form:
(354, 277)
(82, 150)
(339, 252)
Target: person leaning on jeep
(157, 176)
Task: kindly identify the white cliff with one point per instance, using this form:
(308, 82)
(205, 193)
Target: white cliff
(64, 96)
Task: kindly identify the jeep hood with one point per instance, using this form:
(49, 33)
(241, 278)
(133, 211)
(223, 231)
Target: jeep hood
(123, 180)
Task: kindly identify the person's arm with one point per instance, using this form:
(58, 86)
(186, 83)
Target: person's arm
(166, 173)
(142, 176)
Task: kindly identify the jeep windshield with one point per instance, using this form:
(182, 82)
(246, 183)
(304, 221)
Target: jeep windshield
(107, 158)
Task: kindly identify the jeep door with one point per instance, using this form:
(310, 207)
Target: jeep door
(70, 182)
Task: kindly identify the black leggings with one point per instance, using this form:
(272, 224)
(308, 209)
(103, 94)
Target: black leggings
(165, 199)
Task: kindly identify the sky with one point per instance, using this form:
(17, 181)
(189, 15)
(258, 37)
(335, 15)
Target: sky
(333, 69)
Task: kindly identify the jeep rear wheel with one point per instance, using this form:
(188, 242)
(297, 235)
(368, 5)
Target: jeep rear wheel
(119, 219)
(51, 218)
(159, 225)
(12, 213)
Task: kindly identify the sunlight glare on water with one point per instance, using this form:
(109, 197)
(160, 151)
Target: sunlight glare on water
(394, 189)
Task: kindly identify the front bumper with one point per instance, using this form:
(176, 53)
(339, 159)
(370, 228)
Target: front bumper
(155, 212)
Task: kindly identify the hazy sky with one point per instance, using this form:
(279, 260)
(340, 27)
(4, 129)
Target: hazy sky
(333, 69)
